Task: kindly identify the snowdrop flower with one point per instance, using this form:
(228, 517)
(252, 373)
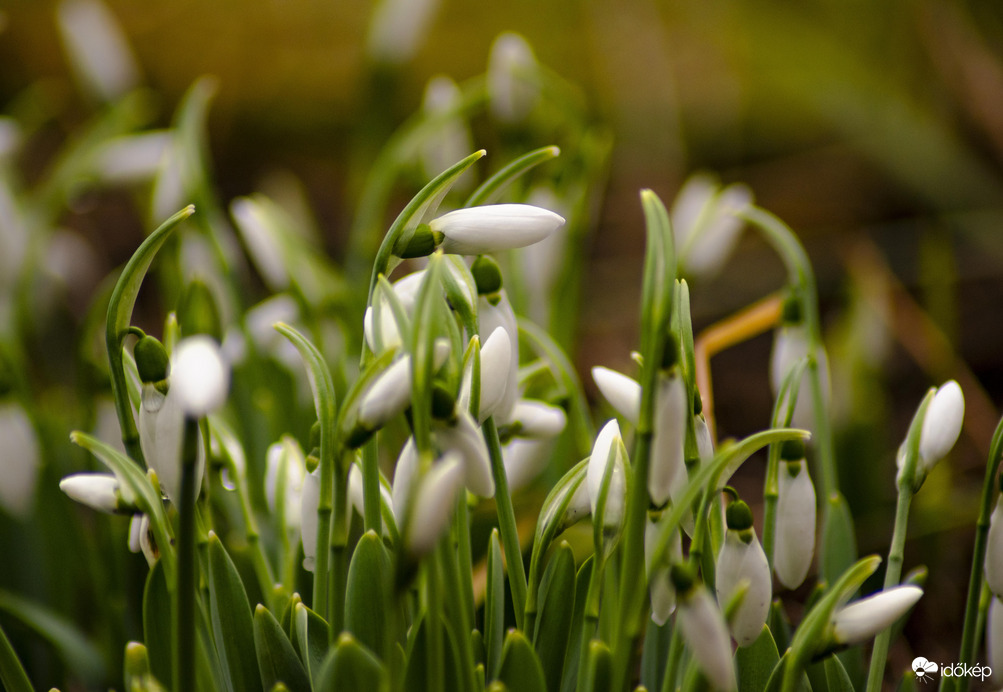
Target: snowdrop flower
(705, 223)
(98, 491)
(464, 440)
(537, 419)
(496, 366)
(390, 392)
(405, 472)
(742, 561)
(19, 458)
(790, 345)
(864, 619)
(493, 227)
(199, 375)
(97, 49)
(397, 28)
(524, 460)
(795, 528)
(285, 472)
(139, 538)
(132, 159)
(309, 502)
(433, 503)
(512, 78)
(357, 498)
(661, 590)
(994, 550)
(705, 445)
(608, 449)
(667, 475)
(406, 291)
(942, 424)
(494, 312)
(622, 392)
(703, 629)
(994, 638)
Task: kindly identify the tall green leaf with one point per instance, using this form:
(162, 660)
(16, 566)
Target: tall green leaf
(232, 625)
(277, 659)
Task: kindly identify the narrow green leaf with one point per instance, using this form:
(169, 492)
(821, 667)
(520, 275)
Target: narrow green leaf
(277, 659)
(158, 623)
(79, 654)
(520, 669)
(557, 610)
(288, 613)
(836, 676)
(12, 673)
(755, 663)
(494, 607)
(599, 668)
(416, 670)
(839, 542)
(654, 657)
(490, 190)
(311, 639)
(369, 595)
(232, 625)
(570, 680)
(776, 680)
(350, 666)
(123, 299)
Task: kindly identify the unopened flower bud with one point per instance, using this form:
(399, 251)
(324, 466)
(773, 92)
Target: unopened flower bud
(309, 502)
(994, 639)
(536, 419)
(608, 449)
(285, 471)
(199, 376)
(494, 227)
(390, 392)
(942, 424)
(667, 475)
(493, 315)
(864, 619)
(96, 490)
(496, 365)
(742, 561)
(512, 78)
(795, 527)
(433, 503)
(704, 630)
(622, 392)
(994, 550)
(465, 441)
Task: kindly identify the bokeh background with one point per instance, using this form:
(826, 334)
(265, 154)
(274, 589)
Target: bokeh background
(874, 129)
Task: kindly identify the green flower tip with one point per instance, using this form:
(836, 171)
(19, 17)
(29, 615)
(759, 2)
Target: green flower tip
(683, 577)
(738, 516)
(260, 610)
(487, 275)
(199, 312)
(137, 659)
(792, 312)
(792, 450)
(151, 360)
(422, 243)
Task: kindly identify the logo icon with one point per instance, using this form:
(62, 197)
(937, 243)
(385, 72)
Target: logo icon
(923, 669)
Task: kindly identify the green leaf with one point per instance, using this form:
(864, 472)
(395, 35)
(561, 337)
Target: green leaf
(158, 623)
(277, 659)
(232, 625)
(836, 676)
(490, 190)
(123, 299)
(12, 673)
(416, 671)
(568, 684)
(138, 676)
(520, 669)
(310, 639)
(654, 658)
(659, 275)
(598, 668)
(557, 609)
(369, 594)
(755, 663)
(79, 654)
(494, 607)
(839, 542)
(350, 666)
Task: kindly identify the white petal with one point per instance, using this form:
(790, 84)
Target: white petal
(524, 460)
(942, 423)
(96, 490)
(705, 445)
(744, 563)
(994, 640)
(512, 83)
(309, 503)
(286, 459)
(161, 427)
(465, 439)
(795, 529)
(710, 250)
(696, 194)
(132, 158)
(863, 619)
(19, 460)
(434, 503)
(663, 594)
(97, 48)
(538, 419)
(622, 392)
(397, 28)
(790, 345)
(608, 440)
(199, 375)
(135, 532)
(356, 494)
(667, 475)
(262, 241)
(491, 318)
(388, 394)
(404, 475)
(496, 366)
(706, 636)
(994, 550)
(495, 227)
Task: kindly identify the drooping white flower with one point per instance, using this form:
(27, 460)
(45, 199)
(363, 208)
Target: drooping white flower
(97, 49)
(705, 633)
(864, 619)
(496, 366)
(705, 223)
(537, 419)
(513, 86)
(309, 502)
(622, 392)
(285, 471)
(608, 449)
(434, 503)
(19, 458)
(199, 375)
(161, 433)
(492, 316)
(96, 490)
(357, 498)
(390, 392)
(667, 472)
(705, 444)
(742, 561)
(994, 550)
(397, 28)
(660, 588)
(795, 527)
(464, 439)
(994, 639)
(406, 291)
(524, 460)
(132, 158)
(790, 345)
(139, 538)
(494, 227)
(405, 472)
(942, 424)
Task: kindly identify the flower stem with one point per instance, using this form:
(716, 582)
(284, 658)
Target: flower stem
(184, 615)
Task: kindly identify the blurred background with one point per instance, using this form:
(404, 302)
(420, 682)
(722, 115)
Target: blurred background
(875, 130)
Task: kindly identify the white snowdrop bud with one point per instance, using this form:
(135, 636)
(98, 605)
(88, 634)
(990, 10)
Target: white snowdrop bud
(742, 561)
(132, 158)
(496, 365)
(706, 225)
(608, 449)
(357, 498)
(492, 316)
(96, 490)
(942, 424)
(790, 345)
(309, 503)
(161, 432)
(397, 28)
(667, 474)
(433, 503)
(994, 639)
(660, 588)
(406, 291)
(19, 460)
(494, 227)
(285, 472)
(139, 538)
(464, 438)
(404, 474)
(795, 527)
(864, 619)
(390, 392)
(524, 460)
(704, 630)
(994, 550)
(705, 445)
(622, 392)
(199, 375)
(537, 419)
(97, 50)
(512, 78)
